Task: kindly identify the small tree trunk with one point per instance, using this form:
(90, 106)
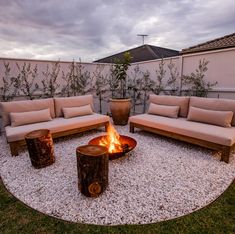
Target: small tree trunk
(40, 147)
(145, 97)
(92, 166)
(100, 103)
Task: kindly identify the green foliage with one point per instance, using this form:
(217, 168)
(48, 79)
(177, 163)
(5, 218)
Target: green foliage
(83, 81)
(159, 86)
(10, 84)
(100, 85)
(26, 80)
(147, 85)
(49, 83)
(78, 81)
(120, 73)
(164, 85)
(139, 87)
(134, 87)
(172, 82)
(195, 83)
(68, 78)
(113, 82)
(140, 84)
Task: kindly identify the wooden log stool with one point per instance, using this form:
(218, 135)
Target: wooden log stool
(40, 147)
(92, 166)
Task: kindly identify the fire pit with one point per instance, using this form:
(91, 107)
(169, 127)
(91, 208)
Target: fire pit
(118, 145)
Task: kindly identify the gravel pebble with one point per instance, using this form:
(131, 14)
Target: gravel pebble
(160, 179)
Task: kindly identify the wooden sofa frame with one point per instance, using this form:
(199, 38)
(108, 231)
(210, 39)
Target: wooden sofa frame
(15, 145)
(225, 150)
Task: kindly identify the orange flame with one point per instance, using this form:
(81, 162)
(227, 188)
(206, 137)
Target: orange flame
(111, 140)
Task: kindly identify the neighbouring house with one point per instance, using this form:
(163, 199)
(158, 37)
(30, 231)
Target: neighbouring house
(225, 42)
(142, 53)
(220, 52)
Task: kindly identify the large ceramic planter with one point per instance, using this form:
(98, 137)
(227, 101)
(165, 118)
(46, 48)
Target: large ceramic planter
(120, 110)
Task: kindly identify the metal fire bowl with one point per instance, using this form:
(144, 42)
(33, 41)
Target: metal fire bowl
(127, 142)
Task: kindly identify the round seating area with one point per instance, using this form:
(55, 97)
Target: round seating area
(160, 179)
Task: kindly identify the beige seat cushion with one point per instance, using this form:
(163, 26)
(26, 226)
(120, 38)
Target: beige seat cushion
(23, 106)
(56, 125)
(214, 104)
(168, 111)
(29, 117)
(182, 102)
(72, 102)
(220, 118)
(70, 112)
(211, 133)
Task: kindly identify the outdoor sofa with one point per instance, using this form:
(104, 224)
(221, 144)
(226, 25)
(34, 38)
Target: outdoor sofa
(207, 122)
(62, 116)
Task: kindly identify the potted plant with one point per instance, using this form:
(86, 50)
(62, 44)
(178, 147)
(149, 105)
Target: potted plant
(120, 105)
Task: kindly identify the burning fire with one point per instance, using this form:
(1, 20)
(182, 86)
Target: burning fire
(112, 140)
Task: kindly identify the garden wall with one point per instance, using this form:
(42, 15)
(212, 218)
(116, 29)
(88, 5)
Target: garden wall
(221, 68)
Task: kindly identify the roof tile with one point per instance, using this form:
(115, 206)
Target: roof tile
(142, 53)
(227, 41)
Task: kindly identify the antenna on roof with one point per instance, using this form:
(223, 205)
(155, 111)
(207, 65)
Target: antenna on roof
(143, 36)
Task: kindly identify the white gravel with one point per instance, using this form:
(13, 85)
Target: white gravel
(160, 180)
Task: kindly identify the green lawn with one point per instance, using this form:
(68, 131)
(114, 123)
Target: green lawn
(218, 217)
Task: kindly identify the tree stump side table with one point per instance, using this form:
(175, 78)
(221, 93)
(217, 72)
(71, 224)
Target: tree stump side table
(92, 167)
(40, 147)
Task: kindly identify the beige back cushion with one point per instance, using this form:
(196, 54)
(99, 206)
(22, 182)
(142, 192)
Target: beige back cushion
(220, 118)
(182, 102)
(70, 112)
(76, 101)
(29, 117)
(168, 111)
(214, 104)
(24, 106)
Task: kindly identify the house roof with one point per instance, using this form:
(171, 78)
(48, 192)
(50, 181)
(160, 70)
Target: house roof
(142, 53)
(227, 41)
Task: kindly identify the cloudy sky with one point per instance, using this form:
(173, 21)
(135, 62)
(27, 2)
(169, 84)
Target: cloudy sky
(92, 29)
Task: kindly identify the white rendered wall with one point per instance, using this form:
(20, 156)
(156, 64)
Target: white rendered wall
(42, 65)
(221, 68)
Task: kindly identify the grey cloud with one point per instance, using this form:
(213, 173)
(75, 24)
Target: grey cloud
(93, 29)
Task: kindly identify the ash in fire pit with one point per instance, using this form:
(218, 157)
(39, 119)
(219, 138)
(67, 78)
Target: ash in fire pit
(118, 145)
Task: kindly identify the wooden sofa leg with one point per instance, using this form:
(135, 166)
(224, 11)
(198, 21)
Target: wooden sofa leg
(132, 128)
(14, 149)
(225, 154)
(106, 126)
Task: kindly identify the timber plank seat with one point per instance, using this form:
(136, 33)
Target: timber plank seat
(16, 145)
(63, 116)
(225, 150)
(213, 125)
